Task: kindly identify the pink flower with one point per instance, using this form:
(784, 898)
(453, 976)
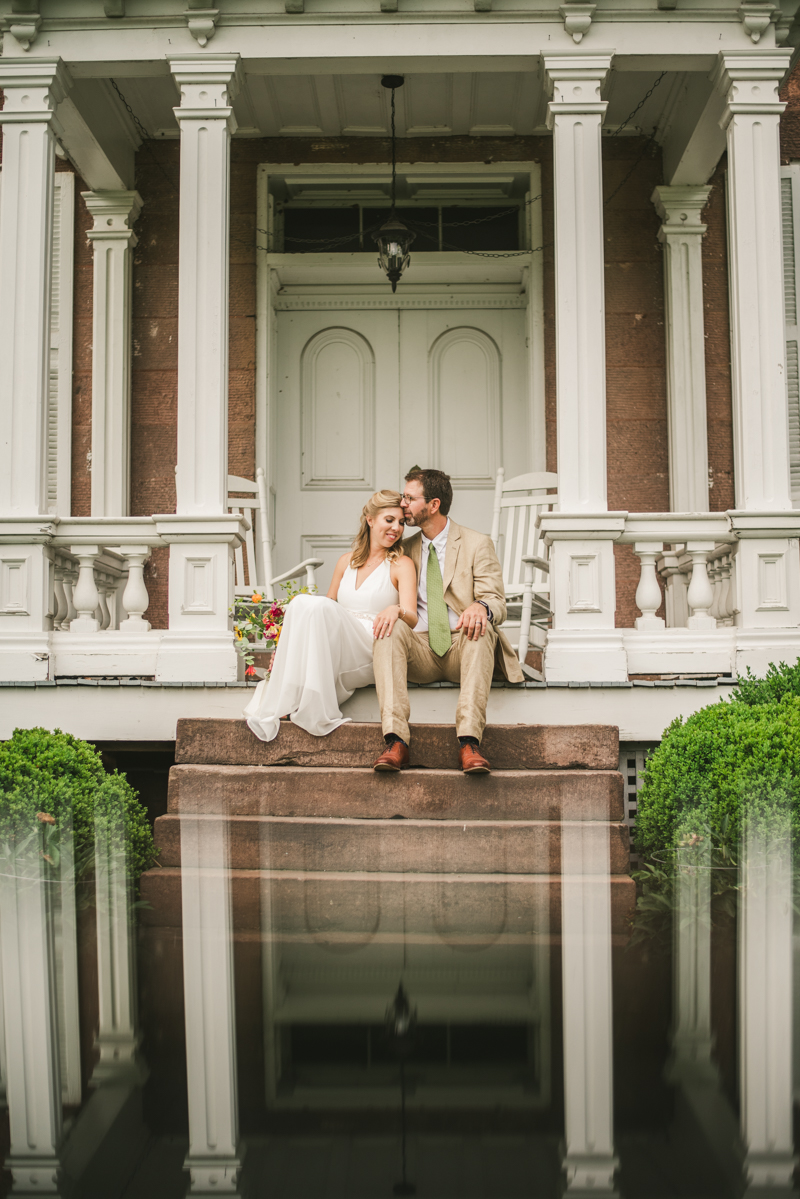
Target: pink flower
(250, 672)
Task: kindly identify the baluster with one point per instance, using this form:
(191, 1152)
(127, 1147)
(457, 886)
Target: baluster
(671, 570)
(730, 594)
(724, 590)
(714, 579)
(85, 595)
(104, 616)
(648, 593)
(70, 579)
(135, 599)
(62, 607)
(700, 594)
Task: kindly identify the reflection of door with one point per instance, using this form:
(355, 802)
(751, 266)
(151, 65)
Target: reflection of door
(364, 395)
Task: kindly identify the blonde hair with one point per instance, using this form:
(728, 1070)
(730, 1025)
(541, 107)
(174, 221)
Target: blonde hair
(378, 503)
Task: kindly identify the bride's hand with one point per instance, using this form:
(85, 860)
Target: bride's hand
(385, 622)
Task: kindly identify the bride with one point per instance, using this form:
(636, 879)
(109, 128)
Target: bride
(325, 648)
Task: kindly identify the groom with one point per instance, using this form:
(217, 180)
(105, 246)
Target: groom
(460, 603)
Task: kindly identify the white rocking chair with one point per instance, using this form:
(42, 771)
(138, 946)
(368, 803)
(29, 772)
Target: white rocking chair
(253, 560)
(518, 504)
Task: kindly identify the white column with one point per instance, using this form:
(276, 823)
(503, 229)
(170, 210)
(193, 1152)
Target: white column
(749, 83)
(590, 1161)
(214, 1158)
(206, 120)
(765, 1008)
(199, 642)
(113, 241)
(32, 90)
(33, 1084)
(583, 643)
(575, 115)
(767, 564)
(681, 234)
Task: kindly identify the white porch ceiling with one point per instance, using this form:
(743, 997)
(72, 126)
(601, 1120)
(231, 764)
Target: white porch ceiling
(489, 104)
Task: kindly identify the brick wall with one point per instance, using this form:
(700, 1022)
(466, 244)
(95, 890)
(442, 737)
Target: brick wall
(637, 422)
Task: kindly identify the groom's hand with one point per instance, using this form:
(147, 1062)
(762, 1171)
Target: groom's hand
(473, 621)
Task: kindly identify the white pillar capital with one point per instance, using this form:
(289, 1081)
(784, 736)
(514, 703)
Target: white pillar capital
(750, 81)
(33, 88)
(680, 209)
(114, 213)
(574, 82)
(208, 85)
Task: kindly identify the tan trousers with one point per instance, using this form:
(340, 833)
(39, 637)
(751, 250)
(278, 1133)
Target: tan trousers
(407, 656)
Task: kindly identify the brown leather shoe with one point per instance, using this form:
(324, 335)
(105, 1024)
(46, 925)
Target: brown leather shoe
(471, 760)
(394, 757)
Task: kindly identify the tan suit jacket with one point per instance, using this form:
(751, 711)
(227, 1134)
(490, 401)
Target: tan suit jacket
(472, 572)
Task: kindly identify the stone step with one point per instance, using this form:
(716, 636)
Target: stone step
(508, 747)
(427, 846)
(366, 907)
(414, 794)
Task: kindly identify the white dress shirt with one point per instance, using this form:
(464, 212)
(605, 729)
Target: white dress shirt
(440, 545)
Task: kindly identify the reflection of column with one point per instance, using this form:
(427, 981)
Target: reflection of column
(214, 1158)
(765, 1010)
(29, 996)
(691, 1036)
(586, 968)
(66, 947)
(113, 240)
(116, 964)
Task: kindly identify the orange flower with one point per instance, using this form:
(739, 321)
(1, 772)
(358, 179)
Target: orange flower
(45, 818)
(256, 598)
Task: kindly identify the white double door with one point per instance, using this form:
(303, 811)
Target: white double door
(364, 395)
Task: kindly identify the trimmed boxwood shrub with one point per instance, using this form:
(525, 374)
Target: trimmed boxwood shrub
(736, 753)
(57, 774)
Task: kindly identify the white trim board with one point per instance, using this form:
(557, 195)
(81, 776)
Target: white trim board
(152, 713)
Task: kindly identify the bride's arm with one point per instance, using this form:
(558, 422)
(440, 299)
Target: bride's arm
(341, 566)
(404, 577)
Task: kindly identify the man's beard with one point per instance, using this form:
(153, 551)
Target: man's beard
(417, 521)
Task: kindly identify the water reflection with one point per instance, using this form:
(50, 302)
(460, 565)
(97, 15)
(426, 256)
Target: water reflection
(277, 961)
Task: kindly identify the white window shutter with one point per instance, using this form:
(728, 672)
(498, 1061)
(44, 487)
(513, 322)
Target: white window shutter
(790, 221)
(59, 413)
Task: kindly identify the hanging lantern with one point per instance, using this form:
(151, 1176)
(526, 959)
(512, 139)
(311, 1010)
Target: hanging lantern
(393, 238)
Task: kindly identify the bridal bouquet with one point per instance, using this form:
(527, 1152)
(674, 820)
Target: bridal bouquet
(257, 624)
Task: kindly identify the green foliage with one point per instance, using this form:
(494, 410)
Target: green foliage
(57, 774)
(724, 758)
(779, 681)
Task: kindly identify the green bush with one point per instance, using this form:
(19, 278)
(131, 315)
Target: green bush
(779, 681)
(737, 753)
(58, 774)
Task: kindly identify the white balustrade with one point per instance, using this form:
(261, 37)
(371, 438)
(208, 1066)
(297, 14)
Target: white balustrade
(85, 595)
(60, 616)
(648, 593)
(135, 599)
(700, 595)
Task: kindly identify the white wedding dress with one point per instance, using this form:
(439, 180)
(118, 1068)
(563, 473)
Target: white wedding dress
(324, 654)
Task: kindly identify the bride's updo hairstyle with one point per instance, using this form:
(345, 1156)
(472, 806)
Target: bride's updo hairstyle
(376, 504)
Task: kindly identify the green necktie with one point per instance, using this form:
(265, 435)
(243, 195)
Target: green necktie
(439, 637)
